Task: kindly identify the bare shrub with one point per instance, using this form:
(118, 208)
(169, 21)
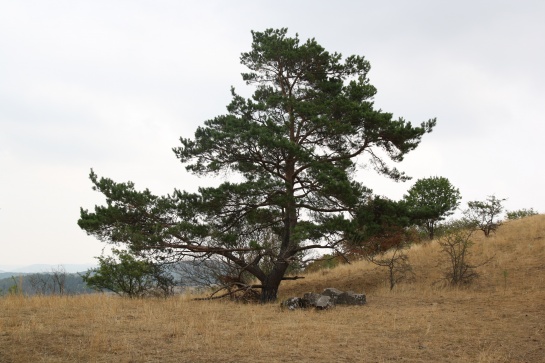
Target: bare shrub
(397, 240)
(397, 262)
(456, 244)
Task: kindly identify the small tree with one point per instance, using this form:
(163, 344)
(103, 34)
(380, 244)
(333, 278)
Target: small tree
(521, 213)
(456, 244)
(484, 214)
(129, 276)
(430, 201)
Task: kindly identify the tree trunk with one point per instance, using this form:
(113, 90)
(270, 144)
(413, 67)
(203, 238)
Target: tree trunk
(269, 293)
(270, 285)
(431, 230)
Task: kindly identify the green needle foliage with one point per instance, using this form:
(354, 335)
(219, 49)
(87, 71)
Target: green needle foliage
(293, 145)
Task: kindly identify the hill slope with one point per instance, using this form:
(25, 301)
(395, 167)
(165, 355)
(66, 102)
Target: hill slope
(516, 253)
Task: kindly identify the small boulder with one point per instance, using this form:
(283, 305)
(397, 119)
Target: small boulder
(332, 292)
(324, 302)
(351, 298)
(293, 303)
(311, 298)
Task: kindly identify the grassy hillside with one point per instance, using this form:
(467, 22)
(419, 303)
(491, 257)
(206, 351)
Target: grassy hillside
(517, 254)
(499, 318)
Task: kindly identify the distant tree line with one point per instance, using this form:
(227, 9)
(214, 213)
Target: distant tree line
(55, 282)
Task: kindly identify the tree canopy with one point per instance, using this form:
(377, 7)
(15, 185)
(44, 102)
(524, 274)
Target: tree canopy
(482, 214)
(294, 148)
(431, 200)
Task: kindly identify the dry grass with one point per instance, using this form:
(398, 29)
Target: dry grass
(500, 318)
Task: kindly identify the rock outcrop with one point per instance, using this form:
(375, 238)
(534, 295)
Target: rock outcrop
(326, 300)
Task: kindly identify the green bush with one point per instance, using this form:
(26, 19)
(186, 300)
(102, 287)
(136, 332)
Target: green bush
(127, 275)
(521, 213)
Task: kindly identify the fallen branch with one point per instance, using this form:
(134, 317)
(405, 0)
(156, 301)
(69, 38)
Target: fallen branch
(212, 297)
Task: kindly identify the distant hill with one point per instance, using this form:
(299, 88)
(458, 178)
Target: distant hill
(8, 275)
(39, 268)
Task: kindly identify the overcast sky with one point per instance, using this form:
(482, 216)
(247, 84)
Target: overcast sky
(112, 85)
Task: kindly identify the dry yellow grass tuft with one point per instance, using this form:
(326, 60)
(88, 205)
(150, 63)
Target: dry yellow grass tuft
(500, 318)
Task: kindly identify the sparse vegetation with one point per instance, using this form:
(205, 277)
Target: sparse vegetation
(396, 261)
(456, 244)
(488, 321)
